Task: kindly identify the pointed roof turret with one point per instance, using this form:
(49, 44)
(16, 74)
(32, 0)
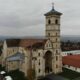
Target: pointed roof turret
(53, 11)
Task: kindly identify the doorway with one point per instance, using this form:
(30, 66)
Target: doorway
(48, 62)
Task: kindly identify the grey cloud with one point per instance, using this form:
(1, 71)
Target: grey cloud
(26, 17)
(16, 22)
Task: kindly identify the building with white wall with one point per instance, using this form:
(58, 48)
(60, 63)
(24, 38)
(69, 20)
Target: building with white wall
(72, 52)
(72, 62)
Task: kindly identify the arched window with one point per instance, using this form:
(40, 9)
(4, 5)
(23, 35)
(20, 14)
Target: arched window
(49, 21)
(56, 58)
(39, 63)
(48, 34)
(56, 21)
(39, 70)
(39, 54)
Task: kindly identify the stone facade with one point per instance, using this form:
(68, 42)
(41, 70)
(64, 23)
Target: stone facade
(42, 55)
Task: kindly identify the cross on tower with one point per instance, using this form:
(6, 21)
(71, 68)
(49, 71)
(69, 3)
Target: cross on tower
(52, 5)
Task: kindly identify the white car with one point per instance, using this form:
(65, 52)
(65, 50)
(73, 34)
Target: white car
(2, 72)
(8, 78)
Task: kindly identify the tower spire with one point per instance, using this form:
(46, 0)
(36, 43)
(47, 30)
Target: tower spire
(52, 5)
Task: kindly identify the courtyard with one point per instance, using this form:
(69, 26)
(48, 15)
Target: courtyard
(65, 75)
(69, 74)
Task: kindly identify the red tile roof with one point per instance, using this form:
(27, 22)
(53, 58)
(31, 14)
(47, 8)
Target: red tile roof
(31, 42)
(71, 60)
(24, 42)
(12, 42)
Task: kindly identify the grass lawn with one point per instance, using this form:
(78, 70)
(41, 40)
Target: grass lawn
(69, 74)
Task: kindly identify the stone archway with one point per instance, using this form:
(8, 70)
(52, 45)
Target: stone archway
(48, 61)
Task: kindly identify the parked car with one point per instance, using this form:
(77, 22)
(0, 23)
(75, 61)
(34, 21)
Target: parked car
(8, 78)
(2, 72)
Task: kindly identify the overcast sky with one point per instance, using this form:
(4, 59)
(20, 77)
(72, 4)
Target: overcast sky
(26, 17)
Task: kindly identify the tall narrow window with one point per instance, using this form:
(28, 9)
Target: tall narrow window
(56, 21)
(48, 34)
(56, 39)
(56, 66)
(57, 51)
(39, 63)
(56, 58)
(49, 21)
(39, 70)
(39, 54)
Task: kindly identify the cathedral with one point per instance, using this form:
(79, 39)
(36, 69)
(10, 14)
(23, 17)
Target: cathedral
(43, 55)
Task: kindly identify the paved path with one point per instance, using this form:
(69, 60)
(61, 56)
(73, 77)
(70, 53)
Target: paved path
(53, 77)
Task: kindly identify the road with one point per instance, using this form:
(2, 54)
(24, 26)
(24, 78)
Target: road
(53, 77)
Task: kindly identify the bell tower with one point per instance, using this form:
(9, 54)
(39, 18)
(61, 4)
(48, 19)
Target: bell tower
(53, 34)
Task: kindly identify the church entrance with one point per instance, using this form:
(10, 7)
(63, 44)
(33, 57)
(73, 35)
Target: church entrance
(48, 62)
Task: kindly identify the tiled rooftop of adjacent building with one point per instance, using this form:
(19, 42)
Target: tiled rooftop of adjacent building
(72, 60)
